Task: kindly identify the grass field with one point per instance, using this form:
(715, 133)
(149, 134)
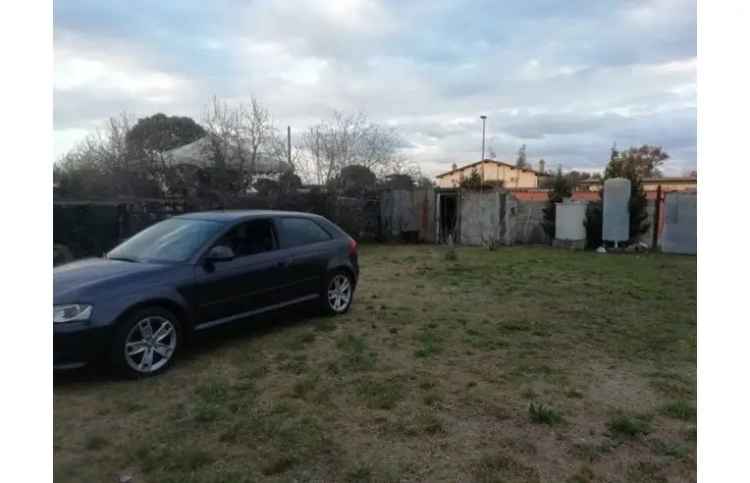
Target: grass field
(516, 365)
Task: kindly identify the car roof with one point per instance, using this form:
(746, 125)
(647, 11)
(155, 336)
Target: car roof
(229, 216)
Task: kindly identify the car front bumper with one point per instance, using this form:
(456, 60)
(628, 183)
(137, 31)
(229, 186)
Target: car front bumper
(78, 343)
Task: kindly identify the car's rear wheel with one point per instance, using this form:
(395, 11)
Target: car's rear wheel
(338, 293)
(146, 343)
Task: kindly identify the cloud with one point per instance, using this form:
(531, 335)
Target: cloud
(565, 78)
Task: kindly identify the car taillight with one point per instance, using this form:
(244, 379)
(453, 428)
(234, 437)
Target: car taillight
(352, 246)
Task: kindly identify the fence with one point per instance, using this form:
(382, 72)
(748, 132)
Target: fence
(84, 228)
(90, 228)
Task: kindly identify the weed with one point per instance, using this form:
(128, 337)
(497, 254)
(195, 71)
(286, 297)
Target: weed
(588, 451)
(431, 399)
(430, 345)
(174, 459)
(430, 424)
(297, 365)
(129, 407)
(541, 414)
(300, 389)
(670, 449)
(629, 426)
(360, 474)
(679, 410)
(644, 472)
(206, 412)
(380, 395)
(213, 392)
(427, 385)
(356, 357)
(95, 442)
(325, 325)
(302, 341)
(583, 475)
(502, 468)
(278, 465)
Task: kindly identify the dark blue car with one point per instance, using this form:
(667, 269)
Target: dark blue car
(138, 304)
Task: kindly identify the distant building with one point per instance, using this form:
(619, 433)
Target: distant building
(649, 184)
(492, 171)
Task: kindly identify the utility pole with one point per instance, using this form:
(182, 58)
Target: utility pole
(481, 183)
(289, 145)
(484, 121)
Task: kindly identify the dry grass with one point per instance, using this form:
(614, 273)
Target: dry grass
(429, 378)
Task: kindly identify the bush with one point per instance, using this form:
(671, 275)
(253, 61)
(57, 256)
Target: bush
(593, 224)
(562, 187)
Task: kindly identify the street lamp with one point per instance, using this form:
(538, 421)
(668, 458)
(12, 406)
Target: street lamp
(484, 121)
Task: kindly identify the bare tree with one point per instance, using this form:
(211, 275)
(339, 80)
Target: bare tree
(101, 165)
(348, 140)
(238, 137)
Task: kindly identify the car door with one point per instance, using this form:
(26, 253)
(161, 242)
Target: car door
(306, 247)
(246, 284)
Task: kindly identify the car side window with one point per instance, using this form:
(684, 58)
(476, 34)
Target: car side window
(296, 232)
(250, 238)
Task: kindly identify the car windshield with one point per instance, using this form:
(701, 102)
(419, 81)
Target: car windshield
(172, 240)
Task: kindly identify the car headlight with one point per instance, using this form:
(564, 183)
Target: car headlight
(70, 313)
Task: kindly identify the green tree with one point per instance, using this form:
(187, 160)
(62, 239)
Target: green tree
(633, 164)
(472, 182)
(521, 159)
(644, 162)
(161, 133)
(561, 187)
(353, 180)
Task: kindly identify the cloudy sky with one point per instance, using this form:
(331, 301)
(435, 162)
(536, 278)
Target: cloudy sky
(566, 78)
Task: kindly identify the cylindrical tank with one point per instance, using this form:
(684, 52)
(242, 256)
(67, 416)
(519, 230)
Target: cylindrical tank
(569, 218)
(615, 214)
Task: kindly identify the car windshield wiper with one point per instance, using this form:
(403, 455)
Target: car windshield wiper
(123, 259)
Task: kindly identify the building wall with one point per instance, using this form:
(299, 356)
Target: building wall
(480, 215)
(680, 224)
(499, 216)
(525, 220)
(511, 177)
(403, 211)
(666, 185)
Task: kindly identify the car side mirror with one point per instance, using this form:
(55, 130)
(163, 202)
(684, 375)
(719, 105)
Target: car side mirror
(220, 253)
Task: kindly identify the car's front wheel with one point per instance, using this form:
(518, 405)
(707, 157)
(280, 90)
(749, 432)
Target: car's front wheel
(338, 292)
(146, 343)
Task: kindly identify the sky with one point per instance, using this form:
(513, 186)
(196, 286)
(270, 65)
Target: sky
(565, 78)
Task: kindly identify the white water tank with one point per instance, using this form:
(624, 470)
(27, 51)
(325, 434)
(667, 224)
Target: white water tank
(615, 214)
(569, 219)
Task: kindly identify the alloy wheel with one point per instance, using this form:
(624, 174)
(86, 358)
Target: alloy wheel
(150, 344)
(339, 293)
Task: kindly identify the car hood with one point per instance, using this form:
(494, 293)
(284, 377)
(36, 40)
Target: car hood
(82, 278)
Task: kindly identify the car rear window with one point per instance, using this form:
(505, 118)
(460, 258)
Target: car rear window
(295, 232)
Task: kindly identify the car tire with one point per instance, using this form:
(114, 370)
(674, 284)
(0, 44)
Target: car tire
(338, 293)
(146, 343)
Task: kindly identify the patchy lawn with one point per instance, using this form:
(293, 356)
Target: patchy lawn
(521, 364)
